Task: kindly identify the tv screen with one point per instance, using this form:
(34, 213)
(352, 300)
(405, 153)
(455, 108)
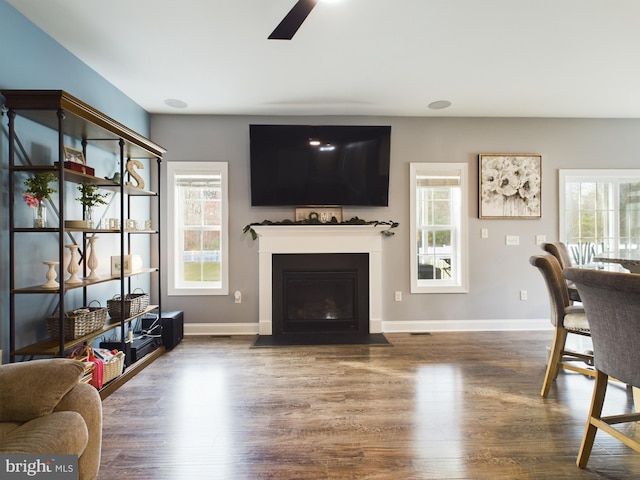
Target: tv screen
(305, 165)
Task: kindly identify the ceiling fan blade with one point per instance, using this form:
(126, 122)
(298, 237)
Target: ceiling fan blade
(292, 21)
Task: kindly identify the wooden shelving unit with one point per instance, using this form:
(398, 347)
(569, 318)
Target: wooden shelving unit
(67, 119)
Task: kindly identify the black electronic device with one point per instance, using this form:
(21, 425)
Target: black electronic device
(136, 349)
(169, 326)
(172, 328)
(315, 165)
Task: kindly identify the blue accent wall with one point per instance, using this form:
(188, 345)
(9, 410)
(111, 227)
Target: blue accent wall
(31, 59)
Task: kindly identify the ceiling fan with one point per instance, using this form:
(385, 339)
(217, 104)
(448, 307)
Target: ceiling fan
(290, 24)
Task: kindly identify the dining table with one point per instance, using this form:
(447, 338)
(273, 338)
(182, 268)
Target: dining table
(629, 259)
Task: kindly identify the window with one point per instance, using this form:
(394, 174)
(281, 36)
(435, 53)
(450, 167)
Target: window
(198, 234)
(439, 202)
(599, 212)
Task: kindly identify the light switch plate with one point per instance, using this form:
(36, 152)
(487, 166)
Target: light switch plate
(512, 240)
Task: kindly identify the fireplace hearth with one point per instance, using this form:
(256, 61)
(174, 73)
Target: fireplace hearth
(306, 239)
(320, 293)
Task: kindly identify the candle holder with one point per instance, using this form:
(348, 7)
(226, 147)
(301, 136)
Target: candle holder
(73, 266)
(92, 261)
(51, 274)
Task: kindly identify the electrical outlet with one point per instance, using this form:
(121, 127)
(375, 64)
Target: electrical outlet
(512, 240)
(484, 233)
(523, 294)
(540, 239)
(398, 296)
(237, 296)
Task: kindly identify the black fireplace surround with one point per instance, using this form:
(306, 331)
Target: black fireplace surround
(320, 293)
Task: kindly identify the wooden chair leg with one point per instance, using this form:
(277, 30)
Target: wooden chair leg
(555, 357)
(595, 412)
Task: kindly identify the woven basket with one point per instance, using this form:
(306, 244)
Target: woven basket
(134, 303)
(113, 368)
(78, 323)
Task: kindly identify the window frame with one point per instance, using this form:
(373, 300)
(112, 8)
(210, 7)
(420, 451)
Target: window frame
(614, 176)
(461, 285)
(196, 168)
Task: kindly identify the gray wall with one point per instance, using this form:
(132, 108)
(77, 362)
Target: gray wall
(497, 272)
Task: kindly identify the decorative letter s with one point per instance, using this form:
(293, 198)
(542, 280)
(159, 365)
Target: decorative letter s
(130, 168)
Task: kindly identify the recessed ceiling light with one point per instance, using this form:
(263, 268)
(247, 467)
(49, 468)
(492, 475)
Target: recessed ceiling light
(172, 102)
(439, 105)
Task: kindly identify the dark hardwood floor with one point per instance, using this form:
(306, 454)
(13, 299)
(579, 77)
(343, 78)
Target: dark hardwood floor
(442, 406)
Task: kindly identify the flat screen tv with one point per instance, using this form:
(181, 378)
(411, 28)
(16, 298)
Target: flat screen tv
(307, 165)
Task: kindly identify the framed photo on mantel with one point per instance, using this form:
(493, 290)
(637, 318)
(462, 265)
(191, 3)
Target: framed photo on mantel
(510, 186)
(319, 214)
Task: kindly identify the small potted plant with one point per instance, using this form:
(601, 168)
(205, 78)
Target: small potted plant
(90, 197)
(37, 191)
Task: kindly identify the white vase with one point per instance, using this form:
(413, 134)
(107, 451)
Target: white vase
(73, 266)
(92, 261)
(51, 274)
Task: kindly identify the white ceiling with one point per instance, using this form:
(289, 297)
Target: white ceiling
(521, 58)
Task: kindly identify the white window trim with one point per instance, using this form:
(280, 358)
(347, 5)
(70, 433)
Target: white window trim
(422, 168)
(592, 174)
(186, 168)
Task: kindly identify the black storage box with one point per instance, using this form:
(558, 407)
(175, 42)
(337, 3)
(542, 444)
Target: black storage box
(172, 324)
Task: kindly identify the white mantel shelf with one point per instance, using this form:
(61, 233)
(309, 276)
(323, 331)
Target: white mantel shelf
(278, 239)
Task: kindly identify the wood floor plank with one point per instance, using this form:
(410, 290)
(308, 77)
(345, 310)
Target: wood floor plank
(442, 406)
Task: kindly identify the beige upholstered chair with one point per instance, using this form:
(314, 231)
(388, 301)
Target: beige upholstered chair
(561, 252)
(612, 302)
(44, 410)
(565, 318)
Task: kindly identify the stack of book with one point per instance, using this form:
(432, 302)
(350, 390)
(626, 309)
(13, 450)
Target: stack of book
(88, 372)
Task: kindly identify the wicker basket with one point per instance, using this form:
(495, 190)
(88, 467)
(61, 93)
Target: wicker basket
(113, 368)
(134, 303)
(78, 323)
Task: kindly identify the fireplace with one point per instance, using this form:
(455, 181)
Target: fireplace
(320, 293)
(313, 239)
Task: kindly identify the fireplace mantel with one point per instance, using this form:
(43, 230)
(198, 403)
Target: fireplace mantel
(275, 239)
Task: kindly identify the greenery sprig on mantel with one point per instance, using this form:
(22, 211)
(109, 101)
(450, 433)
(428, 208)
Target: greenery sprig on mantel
(315, 221)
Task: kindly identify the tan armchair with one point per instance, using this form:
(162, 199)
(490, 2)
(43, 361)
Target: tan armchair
(43, 409)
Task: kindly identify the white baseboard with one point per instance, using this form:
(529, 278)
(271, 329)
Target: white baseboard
(220, 329)
(505, 325)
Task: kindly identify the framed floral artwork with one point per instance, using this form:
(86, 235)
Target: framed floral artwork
(510, 186)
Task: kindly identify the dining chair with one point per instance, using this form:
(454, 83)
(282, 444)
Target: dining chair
(612, 303)
(566, 319)
(561, 252)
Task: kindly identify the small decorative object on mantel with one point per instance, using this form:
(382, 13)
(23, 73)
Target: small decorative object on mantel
(323, 214)
(510, 186)
(314, 220)
(90, 197)
(37, 191)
